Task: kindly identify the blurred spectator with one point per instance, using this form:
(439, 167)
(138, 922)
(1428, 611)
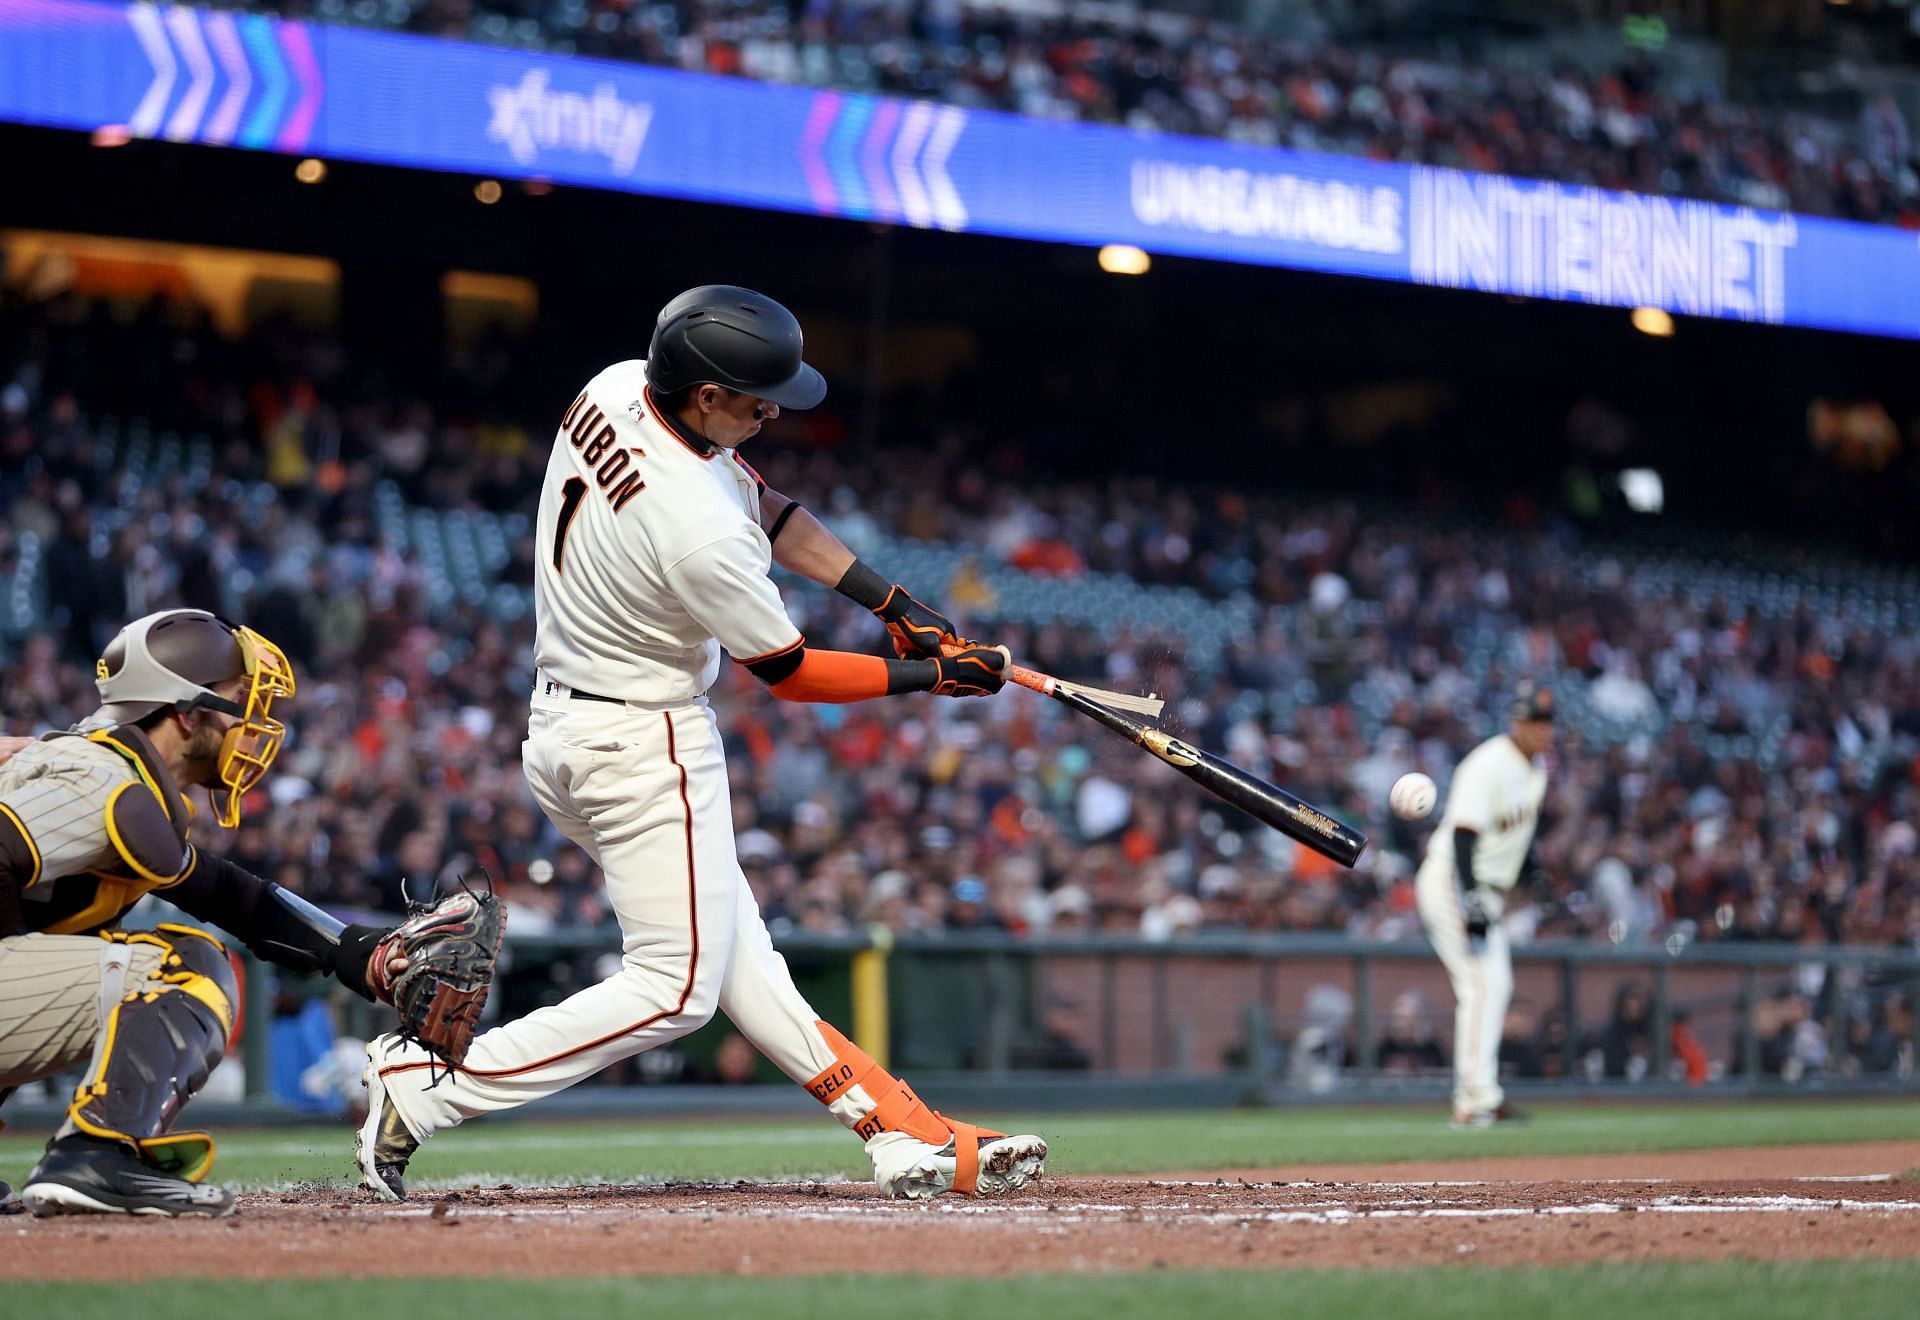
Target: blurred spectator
(1624, 1047)
(1409, 1046)
(1060, 1046)
(1320, 1051)
(1520, 1041)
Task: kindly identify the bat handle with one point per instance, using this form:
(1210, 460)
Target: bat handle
(1046, 684)
(1033, 678)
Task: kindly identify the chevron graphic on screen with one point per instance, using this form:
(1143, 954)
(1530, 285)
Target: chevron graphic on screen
(249, 81)
(205, 67)
(883, 160)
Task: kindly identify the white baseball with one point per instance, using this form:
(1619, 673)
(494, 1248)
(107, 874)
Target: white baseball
(1413, 796)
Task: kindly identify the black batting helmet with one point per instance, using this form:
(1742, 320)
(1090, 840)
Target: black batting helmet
(721, 334)
(1532, 701)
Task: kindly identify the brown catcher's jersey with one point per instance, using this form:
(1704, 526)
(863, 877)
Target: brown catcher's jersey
(90, 823)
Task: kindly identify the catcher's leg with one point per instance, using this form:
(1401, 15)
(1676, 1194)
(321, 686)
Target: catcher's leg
(643, 802)
(114, 1153)
(916, 1152)
(55, 994)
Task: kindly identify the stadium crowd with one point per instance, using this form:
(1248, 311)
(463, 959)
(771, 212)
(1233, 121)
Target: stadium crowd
(1345, 80)
(1768, 787)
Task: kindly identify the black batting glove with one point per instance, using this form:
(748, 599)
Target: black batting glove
(1476, 905)
(974, 671)
(918, 631)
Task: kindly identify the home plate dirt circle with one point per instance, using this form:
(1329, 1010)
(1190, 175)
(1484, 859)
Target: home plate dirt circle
(1793, 1203)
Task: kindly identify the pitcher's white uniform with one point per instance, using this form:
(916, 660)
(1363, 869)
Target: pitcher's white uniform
(1496, 792)
(651, 559)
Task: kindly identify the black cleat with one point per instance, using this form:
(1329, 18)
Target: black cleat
(1506, 1113)
(81, 1176)
(9, 1203)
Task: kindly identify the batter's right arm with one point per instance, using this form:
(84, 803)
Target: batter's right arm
(802, 544)
(724, 586)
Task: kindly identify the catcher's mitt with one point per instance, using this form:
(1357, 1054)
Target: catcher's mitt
(451, 948)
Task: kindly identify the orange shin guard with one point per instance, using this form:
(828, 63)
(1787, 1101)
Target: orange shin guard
(895, 1107)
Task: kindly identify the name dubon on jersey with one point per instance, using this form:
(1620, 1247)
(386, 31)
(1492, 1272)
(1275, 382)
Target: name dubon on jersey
(650, 556)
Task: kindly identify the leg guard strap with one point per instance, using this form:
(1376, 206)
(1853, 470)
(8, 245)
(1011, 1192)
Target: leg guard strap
(895, 1106)
(966, 1156)
(158, 1047)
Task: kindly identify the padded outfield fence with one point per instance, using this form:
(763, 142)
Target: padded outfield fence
(1230, 1019)
(1268, 1018)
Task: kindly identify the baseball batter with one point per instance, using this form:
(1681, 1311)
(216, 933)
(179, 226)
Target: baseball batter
(92, 820)
(1475, 856)
(654, 544)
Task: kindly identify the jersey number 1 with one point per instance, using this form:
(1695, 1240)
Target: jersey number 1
(571, 493)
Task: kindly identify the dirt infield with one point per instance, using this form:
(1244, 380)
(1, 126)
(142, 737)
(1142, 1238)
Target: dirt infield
(1809, 1202)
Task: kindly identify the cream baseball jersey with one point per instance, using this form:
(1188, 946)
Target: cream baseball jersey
(650, 556)
(1496, 792)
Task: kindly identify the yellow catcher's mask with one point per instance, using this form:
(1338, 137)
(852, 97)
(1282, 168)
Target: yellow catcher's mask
(250, 746)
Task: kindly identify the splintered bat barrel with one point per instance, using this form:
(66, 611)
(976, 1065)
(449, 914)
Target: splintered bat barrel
(1253, 795)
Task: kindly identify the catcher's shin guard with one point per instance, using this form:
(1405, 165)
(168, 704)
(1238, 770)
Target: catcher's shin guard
(873, 1103)
(159, 1046)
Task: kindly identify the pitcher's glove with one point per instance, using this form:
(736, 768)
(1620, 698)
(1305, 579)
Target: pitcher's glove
(1476, 907)
(450, 949)
(918, 631)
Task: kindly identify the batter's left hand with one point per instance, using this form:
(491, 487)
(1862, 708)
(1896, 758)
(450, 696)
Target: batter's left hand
(919, 631)
(972, 671)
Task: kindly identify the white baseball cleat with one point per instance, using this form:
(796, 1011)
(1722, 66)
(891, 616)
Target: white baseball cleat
(382, 1145)
(909, 1169)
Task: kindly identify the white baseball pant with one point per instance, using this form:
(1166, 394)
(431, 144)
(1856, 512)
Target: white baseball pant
(643, 789)
(1482, 976)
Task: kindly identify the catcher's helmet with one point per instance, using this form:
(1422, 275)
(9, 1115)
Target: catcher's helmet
(172, 660)
(721, 334)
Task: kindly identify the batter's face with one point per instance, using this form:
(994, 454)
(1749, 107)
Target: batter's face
(728, 418)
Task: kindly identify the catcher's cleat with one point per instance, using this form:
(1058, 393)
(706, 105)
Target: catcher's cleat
(80, 1175)
(912, 1170)
(9, 1203)
(383, 1145)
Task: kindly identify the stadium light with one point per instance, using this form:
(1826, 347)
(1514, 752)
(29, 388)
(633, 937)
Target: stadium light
(1124, 259)
(486, 192)
(1643, 490)
(310, 170)
(1653, 321)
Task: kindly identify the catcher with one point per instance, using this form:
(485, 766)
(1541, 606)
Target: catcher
(92, 820)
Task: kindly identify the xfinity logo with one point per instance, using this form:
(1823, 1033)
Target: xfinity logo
(531, 118)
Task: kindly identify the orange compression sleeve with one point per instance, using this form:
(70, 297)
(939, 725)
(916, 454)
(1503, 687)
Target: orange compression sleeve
(806, 674)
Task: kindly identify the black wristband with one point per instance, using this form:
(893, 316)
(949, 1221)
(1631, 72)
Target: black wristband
(354, 952)
(1463, 842)
(863, 586)
(911, 676)
(773, 532)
